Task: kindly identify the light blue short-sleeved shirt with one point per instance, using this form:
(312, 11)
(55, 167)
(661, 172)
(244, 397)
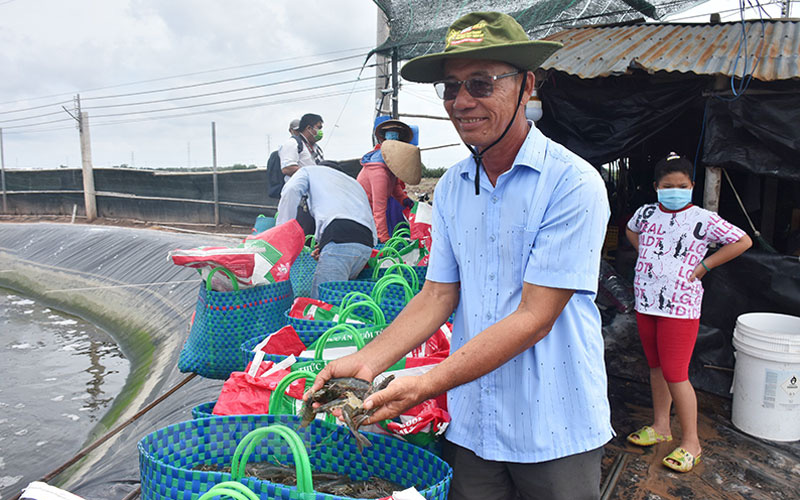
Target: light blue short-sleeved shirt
(543, 223)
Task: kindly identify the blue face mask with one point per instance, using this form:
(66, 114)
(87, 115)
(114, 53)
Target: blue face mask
(674, 198)
(392, 135)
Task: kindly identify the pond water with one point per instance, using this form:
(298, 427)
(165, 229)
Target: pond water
(60, 374)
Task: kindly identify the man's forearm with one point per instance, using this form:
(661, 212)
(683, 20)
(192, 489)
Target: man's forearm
(494, 346)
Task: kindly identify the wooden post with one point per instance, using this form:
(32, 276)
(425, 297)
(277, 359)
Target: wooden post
(3, 172)
(89, 195)
(712, 189)
(216, 186)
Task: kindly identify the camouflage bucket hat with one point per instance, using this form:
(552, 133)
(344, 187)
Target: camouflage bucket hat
(482, 35)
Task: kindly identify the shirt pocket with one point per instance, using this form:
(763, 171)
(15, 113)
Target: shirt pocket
(517, 251)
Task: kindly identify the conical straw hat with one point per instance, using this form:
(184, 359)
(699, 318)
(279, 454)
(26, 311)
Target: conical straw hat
(403, 160)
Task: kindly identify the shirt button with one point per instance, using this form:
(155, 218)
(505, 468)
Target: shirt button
(491, 276)
(494, 199)
(488, 315)
(492, 238)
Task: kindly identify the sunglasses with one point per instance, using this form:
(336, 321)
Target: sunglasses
(479, 86)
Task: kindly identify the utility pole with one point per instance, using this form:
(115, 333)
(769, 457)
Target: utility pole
(189, 154)
(3, 172)
(395, 82)
(214, 167)
(382, 107)
(89, 195)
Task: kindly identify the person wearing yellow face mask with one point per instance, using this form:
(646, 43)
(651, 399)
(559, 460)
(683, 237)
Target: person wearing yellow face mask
(294, 158)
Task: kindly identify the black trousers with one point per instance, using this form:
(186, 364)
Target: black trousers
(575, 477)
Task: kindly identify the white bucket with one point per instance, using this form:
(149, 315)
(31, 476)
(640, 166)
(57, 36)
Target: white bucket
(766, 381)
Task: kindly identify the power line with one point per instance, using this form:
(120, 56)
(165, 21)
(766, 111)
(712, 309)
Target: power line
(220, 110)
(233, 100)
(196, 105)
(241, 89)
(236, 108)
(294, 80)
(225, 80)
(168, 78)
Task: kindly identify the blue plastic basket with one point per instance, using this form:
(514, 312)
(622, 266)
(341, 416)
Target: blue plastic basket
(223, 320)
(367, 273)
(168, 456)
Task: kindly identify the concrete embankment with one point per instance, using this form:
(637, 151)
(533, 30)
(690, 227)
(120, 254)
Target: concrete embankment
(121, 280)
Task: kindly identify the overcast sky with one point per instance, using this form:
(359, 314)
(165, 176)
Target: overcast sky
(54, 49)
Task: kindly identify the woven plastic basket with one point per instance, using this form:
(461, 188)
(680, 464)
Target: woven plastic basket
(310, 330)
(167, 458)
(368, 273)
(303, 268)
(223, 320)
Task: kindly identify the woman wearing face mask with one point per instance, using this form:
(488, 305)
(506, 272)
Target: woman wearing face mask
(672, 238)
(384, 180)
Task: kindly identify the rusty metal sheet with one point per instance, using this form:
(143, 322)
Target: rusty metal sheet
(702, 49)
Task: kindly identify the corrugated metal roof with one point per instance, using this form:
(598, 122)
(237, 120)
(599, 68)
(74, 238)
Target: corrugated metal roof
(703, 49)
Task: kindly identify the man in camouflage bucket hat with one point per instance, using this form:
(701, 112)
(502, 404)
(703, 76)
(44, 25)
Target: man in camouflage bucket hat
(516, 253)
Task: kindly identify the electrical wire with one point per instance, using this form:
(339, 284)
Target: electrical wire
(229, 91)
(747, 78)
(721, 12)
(168, 78)
(286, 101)
(240, 99)
(235, 108)
(195, 105)
(225, 80)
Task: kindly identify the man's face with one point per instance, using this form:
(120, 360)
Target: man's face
(312, 130)
(480, 121)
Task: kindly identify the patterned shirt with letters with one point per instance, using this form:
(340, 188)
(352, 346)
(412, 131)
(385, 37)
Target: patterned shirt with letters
(671, 245)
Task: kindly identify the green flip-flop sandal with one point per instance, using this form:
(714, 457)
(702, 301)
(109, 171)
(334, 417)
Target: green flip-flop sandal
(647, 436)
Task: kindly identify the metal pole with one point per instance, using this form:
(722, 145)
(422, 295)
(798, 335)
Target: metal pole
(395, 82)
(216, 186)
(3, 172)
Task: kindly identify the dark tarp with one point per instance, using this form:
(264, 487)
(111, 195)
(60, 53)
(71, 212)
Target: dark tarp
(418, 27)
(756, 281)
(755, 133)
(603, 119)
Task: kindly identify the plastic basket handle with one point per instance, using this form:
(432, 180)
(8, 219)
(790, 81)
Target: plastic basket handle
(398, 269)
(402, 229)
(354, 296)
(388, 252)
(377, 315)
(359, 341)
(313, 240)
(396, 241)
(232, 489)
(224, 270)
(277, 400)
(383, 284)
(301, 463)
(381, 260)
